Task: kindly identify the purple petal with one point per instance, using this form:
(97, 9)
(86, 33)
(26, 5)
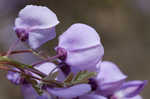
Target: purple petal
(36, 17)
(44, 96)
(86, 58)
(40, 36)
(135, 97)
(109, 88)
(28, 92)
(133, 88)
(120, 96)
(14, 77)
(109, 73)
(79, 36)
(71, 92)
(92, 96)
(45, 68)
(109, 78)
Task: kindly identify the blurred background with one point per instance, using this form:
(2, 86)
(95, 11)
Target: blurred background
(123, 26)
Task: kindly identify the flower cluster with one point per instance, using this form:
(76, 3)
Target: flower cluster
(78, 71)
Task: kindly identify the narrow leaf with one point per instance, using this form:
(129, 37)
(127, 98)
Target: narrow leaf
(69, 78)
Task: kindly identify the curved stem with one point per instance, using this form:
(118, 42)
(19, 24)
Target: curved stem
(17, 52)
(52, 82)
(14, 45)
(5, 60)
(46, 60)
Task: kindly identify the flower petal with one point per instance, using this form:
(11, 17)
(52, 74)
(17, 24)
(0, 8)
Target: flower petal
(71, 92)
(28, 91)
(14, 77)
(86, 58)
(133, 88)
(92, 96)
(44, 96)
(136, 97)
(109, 73)
(36, 17)
(109, 78)
(45, 68)
(79, 36)
(41, 36)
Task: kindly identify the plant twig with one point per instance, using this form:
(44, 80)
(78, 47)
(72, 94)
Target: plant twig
(52, 82)
(46, 60)
(17, 52)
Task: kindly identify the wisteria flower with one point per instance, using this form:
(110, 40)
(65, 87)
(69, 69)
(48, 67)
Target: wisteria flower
(36, 25)
(109, 78)
(130, 90)
(14, 77)
(83, 46)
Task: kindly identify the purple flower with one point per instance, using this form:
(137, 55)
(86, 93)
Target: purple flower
(71, 92)
(109, 78)
(36, 25)
(130, 90)
(15, 78)
(83, 46)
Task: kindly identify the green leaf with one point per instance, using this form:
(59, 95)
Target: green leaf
(84, 75)
(4, 59)
(38, 89)
(52, 76)
(35, 85)
(81, 77)
(69, 78)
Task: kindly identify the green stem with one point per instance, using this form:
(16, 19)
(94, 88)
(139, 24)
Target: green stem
(21, 66)
(17, 52)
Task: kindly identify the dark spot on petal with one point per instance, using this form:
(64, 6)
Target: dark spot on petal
(65, 68)
(93, 84)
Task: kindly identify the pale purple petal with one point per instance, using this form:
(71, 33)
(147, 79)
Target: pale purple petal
(71, 92)
(109, 88)
(135, 97)
(109, 78)
(92, 96)
(133, 88)
(120, 95)
(79, 36)
(28, 92)
(109, 72)
(44, 96)
(36, 17)
(86, 58)
(45, 68)
(40, 36)
(14, 77)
